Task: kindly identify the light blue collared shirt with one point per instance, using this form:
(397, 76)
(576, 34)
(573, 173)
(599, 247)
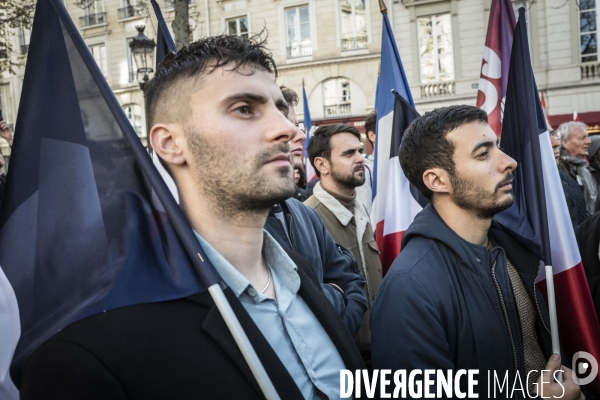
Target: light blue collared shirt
(287, 323)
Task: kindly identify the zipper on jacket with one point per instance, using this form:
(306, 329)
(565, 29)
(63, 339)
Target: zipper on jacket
(512, 342)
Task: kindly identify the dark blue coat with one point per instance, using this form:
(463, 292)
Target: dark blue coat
(448, 304)
(331, 262)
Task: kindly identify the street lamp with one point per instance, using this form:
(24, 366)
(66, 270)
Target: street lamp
(142, 49)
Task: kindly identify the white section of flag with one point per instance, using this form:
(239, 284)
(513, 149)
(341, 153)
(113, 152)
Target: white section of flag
(10, 330)
(393, 201)
(384, 139)
(309, 170)
(400, 205)
(563, 245)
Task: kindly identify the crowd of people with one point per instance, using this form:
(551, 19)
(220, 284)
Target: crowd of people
(301, 268)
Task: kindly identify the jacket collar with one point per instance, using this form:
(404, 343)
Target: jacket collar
(333, 205)
(214, 326)
(341, 213)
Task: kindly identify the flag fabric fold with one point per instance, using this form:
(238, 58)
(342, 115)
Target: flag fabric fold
(80, 231)
(539, 216)
(309, 171)
(164, 40)
(394, 201)
(496, 59)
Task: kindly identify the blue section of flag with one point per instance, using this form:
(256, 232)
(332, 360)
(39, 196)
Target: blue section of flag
(81, 228)
(307, 120)
(307, 127)
(391, 76)
(523, 123)
(164, 41)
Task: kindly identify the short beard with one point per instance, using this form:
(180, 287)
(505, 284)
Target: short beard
(349, 181)
(234, 185)
(469, 197)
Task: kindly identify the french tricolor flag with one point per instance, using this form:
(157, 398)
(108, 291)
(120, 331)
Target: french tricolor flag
(310, 173)
(395, 200)
(539, 214)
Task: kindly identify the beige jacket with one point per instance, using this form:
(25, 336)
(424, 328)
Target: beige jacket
(354, 232)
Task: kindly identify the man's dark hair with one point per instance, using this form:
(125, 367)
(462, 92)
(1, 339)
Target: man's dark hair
(290, 96)
(425, 144)
(370, 124)
(320, 144)
(196, 59)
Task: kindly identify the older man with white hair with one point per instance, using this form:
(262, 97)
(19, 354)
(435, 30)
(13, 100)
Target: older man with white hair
(575, 143)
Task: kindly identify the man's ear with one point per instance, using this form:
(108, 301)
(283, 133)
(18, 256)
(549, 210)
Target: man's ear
(167, 141)
(437, 180)
(371, 136)
(322, 165)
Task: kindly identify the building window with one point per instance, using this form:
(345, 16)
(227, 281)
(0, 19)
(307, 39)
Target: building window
(588, 30)
(132, 8)
(238, 26)
(354, 24)
(99, 53)
(298, 32)
(5, 104)
(435, 48)
(93, 13)
(134, 115)
(23, 35)
(336, 97)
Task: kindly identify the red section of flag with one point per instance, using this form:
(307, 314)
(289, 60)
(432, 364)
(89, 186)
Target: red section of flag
(574, 308)
(389, 246)
(496, 59)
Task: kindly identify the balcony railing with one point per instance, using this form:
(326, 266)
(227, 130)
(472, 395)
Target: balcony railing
(440, 89)
(299, 50)
(337, 110)
(130, 11)
(590, 71)
(357, 43)
(92, 19)
(24, 49)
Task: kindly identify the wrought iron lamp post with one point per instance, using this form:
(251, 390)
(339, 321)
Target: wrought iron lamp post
(142, 49)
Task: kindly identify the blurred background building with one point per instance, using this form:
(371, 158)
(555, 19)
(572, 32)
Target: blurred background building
(333, 46)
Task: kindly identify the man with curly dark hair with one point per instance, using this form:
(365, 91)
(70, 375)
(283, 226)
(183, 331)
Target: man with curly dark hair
(217, 120)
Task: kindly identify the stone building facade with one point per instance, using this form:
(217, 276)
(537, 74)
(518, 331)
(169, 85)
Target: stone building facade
(333, 48)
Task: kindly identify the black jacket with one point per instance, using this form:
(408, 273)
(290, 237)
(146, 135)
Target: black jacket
(178, 349)
(588, 240)
(574, 198)
(331, 262)
(444, 304)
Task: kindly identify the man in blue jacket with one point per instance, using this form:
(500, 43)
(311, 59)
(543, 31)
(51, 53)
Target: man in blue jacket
(461, 295)
(299, 228)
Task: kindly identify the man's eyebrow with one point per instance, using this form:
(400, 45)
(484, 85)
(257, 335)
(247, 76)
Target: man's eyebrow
(258, 98)
(486, 143)
(352, 150)
(282, 105)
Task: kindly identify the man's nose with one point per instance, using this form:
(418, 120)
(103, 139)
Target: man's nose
(508, 163)
(281, 129)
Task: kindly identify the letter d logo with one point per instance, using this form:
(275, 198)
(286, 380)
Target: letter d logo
(583, 367)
